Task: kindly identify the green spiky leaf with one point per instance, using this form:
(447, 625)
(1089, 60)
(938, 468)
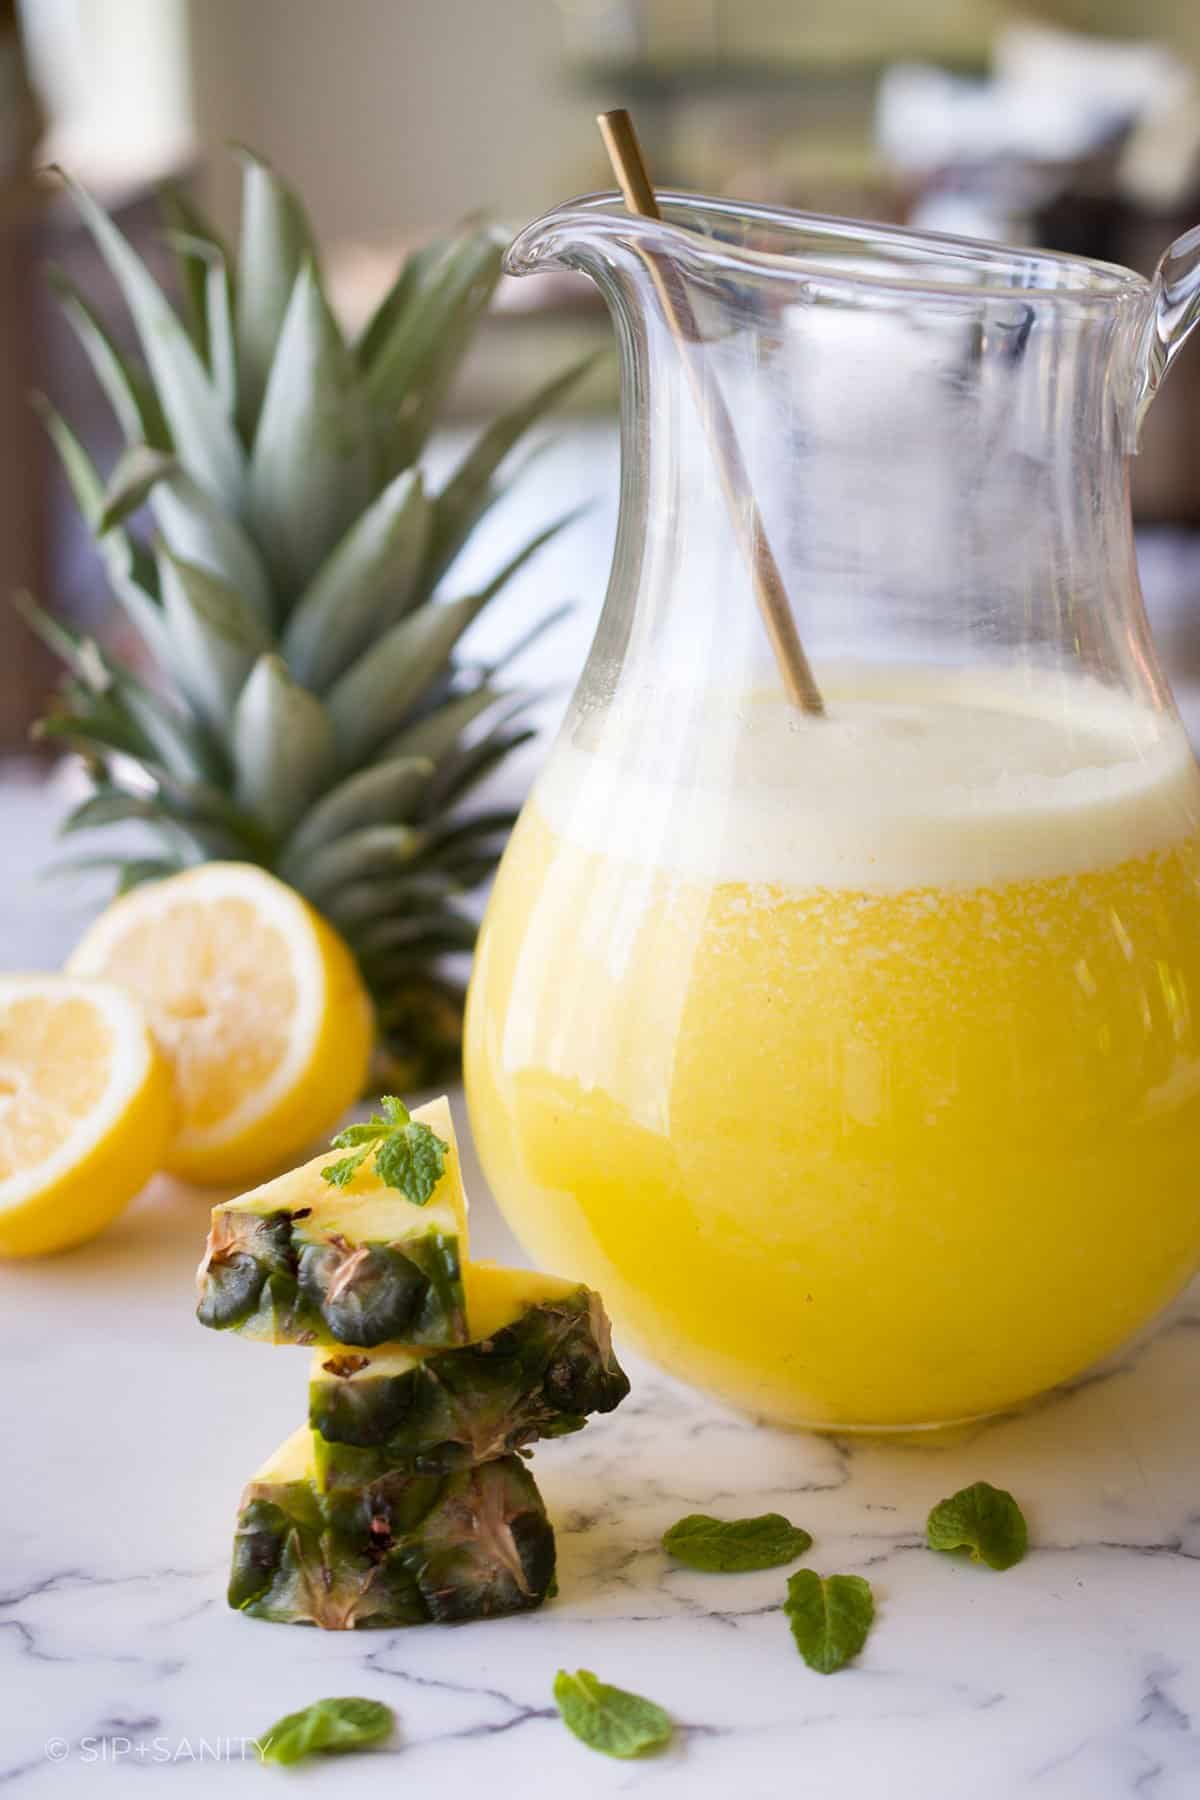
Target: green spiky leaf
(132, 580)
(113, 805)
(107, 806)
(439, 732)
(371, 700)
(363, 586)
(466, 769)
(184, 751)
(383, 794)
(127, 387)
(461, 502)
(416, 361)
(276, 242)
(201, 430)
(466, 836)
(375, 850)
(149, 726)
(413, 276)
(311, 466)
(129, 485)
(215, 634)
(196, 530)
(130, 871)
(452, 929)
(217, 343)
(195, 241)
(283, 746)
(360, 903)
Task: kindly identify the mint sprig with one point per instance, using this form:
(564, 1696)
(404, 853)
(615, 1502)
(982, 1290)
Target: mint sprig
(830, 1617)
(732, 1546)
(409, 1155)
(982, 1519)
(327, 1725)
(609, 1719)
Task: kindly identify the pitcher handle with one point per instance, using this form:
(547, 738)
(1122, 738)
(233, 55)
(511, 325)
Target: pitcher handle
(1175, 310)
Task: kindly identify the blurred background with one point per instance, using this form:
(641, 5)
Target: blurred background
(1074, 124)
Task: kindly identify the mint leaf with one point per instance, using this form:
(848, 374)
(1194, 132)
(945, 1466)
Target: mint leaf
(428, 1161)
(340, 1174)
(411, 1159)
(830, 1617)
(408, 1155)
(329, 1725)
(729, 1546)
(356, 1134)
(982, 1519)
(607, 1718)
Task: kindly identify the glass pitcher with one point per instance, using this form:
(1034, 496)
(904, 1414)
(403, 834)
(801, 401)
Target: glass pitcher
(854, 1056)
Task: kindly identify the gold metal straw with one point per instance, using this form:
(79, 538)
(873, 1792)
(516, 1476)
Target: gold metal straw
(624, 152)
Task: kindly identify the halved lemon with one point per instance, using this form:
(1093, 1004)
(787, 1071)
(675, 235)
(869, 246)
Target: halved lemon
(256, 1003)
(85, 1109)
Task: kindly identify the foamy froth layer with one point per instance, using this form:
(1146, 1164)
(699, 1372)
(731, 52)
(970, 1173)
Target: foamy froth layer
(915, 778)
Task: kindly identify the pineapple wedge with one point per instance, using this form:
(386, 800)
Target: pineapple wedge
(541, 1359)
(401, 1550)
(297, 1261)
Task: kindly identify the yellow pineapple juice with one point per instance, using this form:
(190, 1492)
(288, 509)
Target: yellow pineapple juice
(856, 1061)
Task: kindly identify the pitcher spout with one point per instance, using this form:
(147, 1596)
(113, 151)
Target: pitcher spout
(564, 238)
(1174, 314)
(541, 245)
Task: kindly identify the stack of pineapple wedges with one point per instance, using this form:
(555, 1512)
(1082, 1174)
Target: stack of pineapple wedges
(405, 1498)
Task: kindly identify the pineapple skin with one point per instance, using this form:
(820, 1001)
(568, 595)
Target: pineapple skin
(400, 1550)
(538, 1375)
(298, 1261)
(282, 1283)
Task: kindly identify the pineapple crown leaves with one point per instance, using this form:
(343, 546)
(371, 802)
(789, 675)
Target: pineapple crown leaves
(408, 1154)
(274, 545)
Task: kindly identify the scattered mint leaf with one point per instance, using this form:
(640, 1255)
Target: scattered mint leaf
(729, 1546)
(329, 1725)
(607, 1718)
(408, 1155)
(830, 1617)
(982, 1519)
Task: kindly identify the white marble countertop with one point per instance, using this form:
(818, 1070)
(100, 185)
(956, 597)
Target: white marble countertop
(1075, 1676)
(130, 1431)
